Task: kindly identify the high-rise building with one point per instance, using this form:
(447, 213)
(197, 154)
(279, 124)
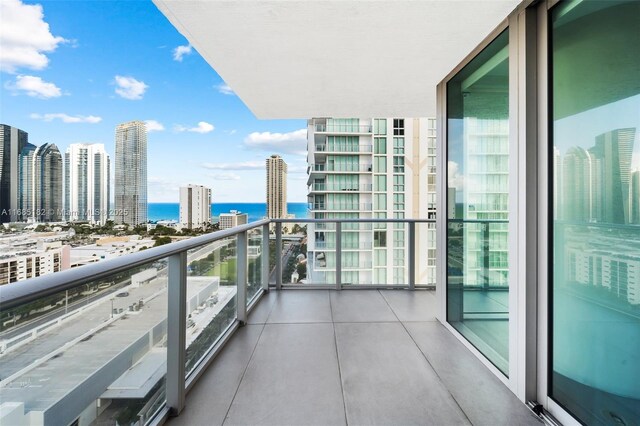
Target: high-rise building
(634, 198)
(12, 142)
(87, 183)
(232, 219)
(276, 187)
(131, 173)
(40, 184)
(612, 153)
(195, 206)
(557, 182)
(485, 199)
(371, 169)
(578, 185)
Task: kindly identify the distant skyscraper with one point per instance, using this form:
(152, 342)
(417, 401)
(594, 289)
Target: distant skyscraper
(40, 194)
(613, 152)
(195, 206)
(634, 198)
(557, 182)
(578, 185)
(87, 182)
(12, 142)
(131, 173)
(276, 187)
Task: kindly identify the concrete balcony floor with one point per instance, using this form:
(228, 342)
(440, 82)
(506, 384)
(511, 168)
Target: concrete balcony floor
(360, 357)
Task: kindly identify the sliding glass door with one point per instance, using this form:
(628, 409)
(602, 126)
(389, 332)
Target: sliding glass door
(478, 202)
(595, 198)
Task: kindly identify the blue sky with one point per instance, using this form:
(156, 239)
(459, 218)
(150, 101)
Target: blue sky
(72, 70)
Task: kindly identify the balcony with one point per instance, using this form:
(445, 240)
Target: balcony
(348, 357)
(342, 149)
(124, 340)
(327, 187)
(340, 206)
(340, 168)
(344, 128)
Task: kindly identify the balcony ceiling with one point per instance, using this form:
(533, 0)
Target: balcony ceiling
(302, 59)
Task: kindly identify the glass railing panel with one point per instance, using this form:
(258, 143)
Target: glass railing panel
(343, 128)
(254, 263)
(341, 188)
(211, 296)
(96, 351)
(478, 290)
(425, 254)
(294, 256)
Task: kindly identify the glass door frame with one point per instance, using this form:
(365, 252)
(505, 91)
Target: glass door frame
(530, 210)
(511, 24)
(528, 204)
(545, 216)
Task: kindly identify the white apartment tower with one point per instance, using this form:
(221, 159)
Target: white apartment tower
(371, 169)
(276, 187)
(131, 173)
(195, 206)
(87, 182)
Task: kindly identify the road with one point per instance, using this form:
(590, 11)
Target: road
(287, 251)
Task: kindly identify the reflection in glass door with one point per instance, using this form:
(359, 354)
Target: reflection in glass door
(595, 302)
(477, 202)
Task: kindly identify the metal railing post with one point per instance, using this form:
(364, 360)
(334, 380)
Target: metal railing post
(265, 257)
(241, 275)
(412, 255)
(176, 331)
(338, 256)
(278, 255)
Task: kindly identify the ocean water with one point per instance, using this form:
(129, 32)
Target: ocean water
(256, 211)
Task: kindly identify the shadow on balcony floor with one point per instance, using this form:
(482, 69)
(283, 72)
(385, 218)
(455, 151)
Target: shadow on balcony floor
(352, 357)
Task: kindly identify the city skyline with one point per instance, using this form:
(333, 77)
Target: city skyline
(83, 88)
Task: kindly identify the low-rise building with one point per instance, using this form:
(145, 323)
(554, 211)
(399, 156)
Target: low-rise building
(44, 258)
(108, 248)
(233, 219)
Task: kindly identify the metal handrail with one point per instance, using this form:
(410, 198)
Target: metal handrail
(18, 293)
(354, 220)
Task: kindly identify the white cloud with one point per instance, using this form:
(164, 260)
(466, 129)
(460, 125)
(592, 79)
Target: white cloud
(292, 142)
(65, 118)
(35, 87)
(181, 51)
(245, 165)
(297, 177)
(163, 190)
(456, 180)
(129, 87)
(154, 126)
(225, 176)
(293, 169)
(225, 89)
(202, 127)
(24, 36)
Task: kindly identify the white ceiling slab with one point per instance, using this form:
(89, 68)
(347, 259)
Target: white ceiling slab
(302, 59)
